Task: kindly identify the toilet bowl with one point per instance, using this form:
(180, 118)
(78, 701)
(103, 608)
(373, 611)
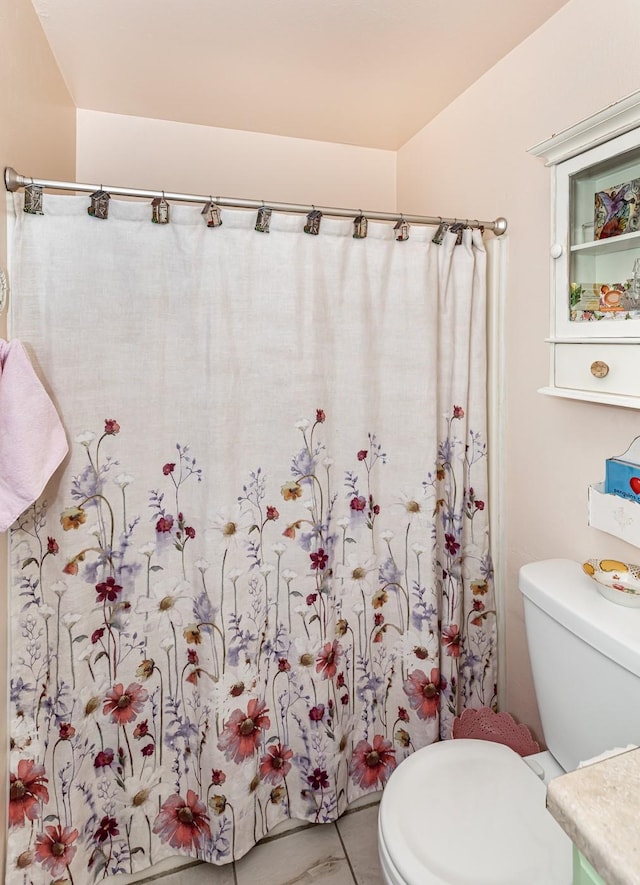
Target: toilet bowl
(471, 812)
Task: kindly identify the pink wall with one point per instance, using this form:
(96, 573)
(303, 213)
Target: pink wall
(37, 137)
(472, 161)
(159, 154)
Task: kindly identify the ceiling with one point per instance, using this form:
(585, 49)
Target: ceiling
(363, 72)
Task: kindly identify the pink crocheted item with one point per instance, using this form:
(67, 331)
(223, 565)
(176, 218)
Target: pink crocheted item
(485, 725)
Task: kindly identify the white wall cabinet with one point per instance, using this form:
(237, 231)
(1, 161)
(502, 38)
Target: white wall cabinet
(595, 257)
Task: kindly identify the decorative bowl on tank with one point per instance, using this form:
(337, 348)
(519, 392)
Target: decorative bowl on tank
(617, 581)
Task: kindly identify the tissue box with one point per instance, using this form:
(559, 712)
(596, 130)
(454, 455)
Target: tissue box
(622, 476)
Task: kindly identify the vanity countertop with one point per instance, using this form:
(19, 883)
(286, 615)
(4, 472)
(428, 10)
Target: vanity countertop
(598, 807)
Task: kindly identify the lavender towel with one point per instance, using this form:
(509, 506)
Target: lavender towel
(32, 439)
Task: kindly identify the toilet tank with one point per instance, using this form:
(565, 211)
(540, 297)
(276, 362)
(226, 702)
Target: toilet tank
(585, 659)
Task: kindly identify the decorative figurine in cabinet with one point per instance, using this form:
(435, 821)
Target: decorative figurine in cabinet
(595, 251)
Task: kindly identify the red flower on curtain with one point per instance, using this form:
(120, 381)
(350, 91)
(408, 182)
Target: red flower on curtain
(328, 659)
(424, 692)
(26, 791)
(372, 763)
(108, 590)
(54, 849)
(318, 779)
(241, 735)
(183, 824)
(124, 705)
(452, 640)
(275, 765)
(319, 560)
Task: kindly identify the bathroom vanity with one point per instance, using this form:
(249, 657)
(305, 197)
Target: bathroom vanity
(598, 806)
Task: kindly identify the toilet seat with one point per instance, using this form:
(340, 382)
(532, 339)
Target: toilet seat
(469, 812)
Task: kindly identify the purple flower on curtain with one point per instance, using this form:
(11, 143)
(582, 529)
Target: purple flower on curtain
(451, 544)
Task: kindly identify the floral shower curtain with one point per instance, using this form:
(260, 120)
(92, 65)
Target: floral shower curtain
(262, 578)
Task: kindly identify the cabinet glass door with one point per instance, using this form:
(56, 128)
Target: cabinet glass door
(604, 244)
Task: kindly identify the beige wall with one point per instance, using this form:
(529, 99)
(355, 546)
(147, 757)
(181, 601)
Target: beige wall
(472, 160)
(37, 137)
(158, 154)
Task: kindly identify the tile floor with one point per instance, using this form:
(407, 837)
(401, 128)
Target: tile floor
(343, 853)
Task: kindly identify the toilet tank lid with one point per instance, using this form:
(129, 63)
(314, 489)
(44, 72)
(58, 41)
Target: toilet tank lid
(561, 589)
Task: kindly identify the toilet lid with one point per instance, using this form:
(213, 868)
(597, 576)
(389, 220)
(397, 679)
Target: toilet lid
(470, 812)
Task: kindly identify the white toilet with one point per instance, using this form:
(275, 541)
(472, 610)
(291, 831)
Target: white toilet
(471, 812)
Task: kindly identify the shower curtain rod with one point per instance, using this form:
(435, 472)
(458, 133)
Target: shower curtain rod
(14, 181)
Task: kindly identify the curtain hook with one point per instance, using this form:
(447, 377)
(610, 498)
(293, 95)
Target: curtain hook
(33, 195)
(212, 213)
(401, 229)
(443, 227)
(263, 219)
(312, 225)
(360, 226)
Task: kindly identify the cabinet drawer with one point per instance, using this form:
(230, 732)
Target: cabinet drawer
(621, 362)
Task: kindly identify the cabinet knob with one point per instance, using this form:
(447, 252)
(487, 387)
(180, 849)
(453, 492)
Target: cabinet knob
(599, 369)
(556, 250)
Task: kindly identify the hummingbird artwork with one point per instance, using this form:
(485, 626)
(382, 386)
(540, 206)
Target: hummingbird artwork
(616, 210)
